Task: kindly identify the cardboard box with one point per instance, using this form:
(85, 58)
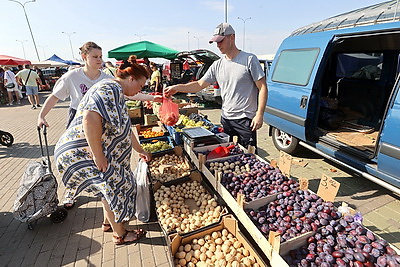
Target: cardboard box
(135, 113)
(188, 111)
(229, 223)
(150, 119)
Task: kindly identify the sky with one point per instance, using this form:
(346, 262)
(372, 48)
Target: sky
(177, 24)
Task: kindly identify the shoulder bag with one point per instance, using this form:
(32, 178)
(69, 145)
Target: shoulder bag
(10, 84)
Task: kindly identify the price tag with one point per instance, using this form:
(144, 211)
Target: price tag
(163, 167)
(328, 188)
(285, 163)
(303, 183)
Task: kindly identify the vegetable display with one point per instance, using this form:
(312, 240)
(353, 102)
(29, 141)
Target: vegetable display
(169, 167)
(175, 214)
(155, 147)
(220, 248)
(150, 133)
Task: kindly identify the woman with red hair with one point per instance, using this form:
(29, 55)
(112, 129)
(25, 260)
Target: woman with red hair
(94, 153)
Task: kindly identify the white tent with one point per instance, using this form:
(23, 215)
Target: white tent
(48, 63)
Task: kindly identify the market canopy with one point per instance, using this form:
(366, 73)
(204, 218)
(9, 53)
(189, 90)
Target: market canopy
(48, 63)
(141, 50)
(8, 60)
(58, 59)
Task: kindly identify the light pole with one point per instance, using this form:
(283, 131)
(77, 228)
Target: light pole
(198, 41)
(226, 11)
(188, 41)
(70, 43)
(140, 36)
(29, 25)
(43, 46)
(23, 48)
(244, 29)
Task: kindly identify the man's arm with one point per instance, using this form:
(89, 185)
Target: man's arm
(258, 120)
(191, 87)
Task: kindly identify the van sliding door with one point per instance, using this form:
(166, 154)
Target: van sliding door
(291, 81)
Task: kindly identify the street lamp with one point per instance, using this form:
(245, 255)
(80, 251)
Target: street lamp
(188, 41)
(198, 40)
(244, 29)
(70, 43)
(29, 25)
(23, 48)
(43, 46)
(140, 36)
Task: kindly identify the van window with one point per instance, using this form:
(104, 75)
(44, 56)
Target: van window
(365, 66)
(295, 66)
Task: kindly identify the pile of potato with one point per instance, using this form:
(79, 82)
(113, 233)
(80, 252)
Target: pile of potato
(220, 248)
(179, 167)
(227, 167)
(175, 214)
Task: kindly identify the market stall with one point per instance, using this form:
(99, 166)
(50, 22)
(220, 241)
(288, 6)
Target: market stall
(220, 204)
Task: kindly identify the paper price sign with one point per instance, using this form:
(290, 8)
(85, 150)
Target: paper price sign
(285, 163)
(303, 182)
(328, 188)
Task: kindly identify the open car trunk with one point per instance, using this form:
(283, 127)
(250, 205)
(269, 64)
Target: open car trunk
(355, 91)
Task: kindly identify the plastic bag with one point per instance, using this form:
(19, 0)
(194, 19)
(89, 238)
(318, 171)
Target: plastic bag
(142, 192)
(169, 112)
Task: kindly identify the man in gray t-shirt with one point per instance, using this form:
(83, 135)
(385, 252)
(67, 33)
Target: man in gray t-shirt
(243, 87)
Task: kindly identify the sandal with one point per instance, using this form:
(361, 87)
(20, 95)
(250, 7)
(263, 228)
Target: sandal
(120, 240)
(106, 227)
(69, 204)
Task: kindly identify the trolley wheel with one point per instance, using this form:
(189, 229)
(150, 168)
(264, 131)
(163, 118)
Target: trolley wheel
(58, 215)
(6, 139)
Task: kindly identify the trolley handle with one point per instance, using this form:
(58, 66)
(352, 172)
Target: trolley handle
(46, 144)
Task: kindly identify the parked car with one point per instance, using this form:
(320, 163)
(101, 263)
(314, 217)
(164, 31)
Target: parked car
(51, 75)
(333, 88)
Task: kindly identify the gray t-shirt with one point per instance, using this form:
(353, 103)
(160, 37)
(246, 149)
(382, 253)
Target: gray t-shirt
(237, 78)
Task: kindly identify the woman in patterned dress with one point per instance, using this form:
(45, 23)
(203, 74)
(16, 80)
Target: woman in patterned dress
(94, 153)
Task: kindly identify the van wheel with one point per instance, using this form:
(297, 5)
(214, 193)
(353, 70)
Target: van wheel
(284, 141)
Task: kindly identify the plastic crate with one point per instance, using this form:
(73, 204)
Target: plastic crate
(156, 139)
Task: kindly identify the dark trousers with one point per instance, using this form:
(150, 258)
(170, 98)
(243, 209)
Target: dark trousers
(240, 128)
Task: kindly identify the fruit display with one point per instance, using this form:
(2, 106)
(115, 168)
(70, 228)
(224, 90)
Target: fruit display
(132, 104)
(157, 146)
(236, 150)
(220, 248)
(149, 133)
(264, 181)
(174, 212)
(169, 167)
(344, 242)
(293, 213)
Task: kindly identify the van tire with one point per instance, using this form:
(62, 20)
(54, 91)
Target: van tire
(285, 142)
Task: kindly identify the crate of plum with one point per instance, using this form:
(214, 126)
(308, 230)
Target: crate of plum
(199, 154)
(343, 242)
(169, 167)
(222, 244)
(292, 214)
(183, 207)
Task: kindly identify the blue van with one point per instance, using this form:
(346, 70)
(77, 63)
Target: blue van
(334, 88)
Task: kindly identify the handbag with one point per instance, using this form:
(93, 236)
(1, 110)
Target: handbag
(9, 85)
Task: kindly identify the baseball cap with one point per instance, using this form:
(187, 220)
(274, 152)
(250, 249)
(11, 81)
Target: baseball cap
(222, 30)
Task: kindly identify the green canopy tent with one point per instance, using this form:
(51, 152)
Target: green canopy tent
(141, 50)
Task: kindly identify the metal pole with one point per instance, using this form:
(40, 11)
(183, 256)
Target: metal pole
(44, 54)
(29, 25)
(70, 43)
(188, 41)
(226, 11)
(198, 41)
(244, 30)
(140, 36)
(23, 48)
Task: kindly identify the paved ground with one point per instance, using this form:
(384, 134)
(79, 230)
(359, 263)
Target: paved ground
(79, 241)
